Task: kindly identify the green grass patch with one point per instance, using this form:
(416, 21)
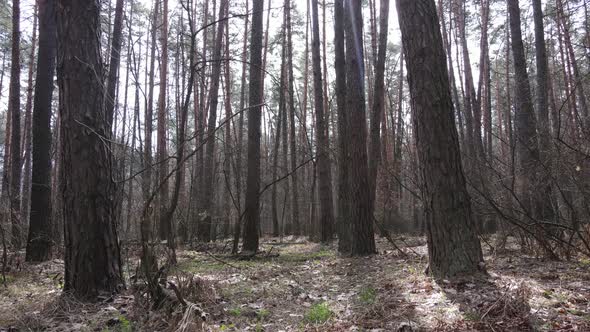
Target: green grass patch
(472, 316)
(9, 279)
(262, 314)
(368, 295)
(318, 313)
(236, 312)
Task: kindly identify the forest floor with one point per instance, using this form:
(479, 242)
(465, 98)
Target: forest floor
(295, 285)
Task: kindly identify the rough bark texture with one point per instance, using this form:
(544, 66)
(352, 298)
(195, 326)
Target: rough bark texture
(362, 237)
(40, 240)
(92, 256)
(453, 244)
(251, 214)
(326, 221)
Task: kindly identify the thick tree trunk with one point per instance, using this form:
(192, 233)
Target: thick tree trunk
(92, 258)
(251, 214)
(363, 238)
(40, 223)
(453, 244)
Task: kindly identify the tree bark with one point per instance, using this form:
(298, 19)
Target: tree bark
(115, 60)
(92, 258)
(292, 131)
(251, 214)
(378, 102)
(15, 137)
(204, 232)
(453, 244)
(362, 236)
(164, 226)
(238, 168)
(343, 226)
(40, 241)
(25, 205)
(326, 220)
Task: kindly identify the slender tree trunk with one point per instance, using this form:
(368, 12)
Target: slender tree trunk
(204, 233)
(527, 147)
(15, 137)
(26, 148)
(326, 221)
(113, 77)
(92, 259)
(164, 226)
(292, 131)
(228, 141)
(40, 241)
(238, 168)
(278, 133)
(453, 245)
(378, 102)
(343, 226)
(251, 214)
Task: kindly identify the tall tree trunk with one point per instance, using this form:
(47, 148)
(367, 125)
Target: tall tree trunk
(278, 133)
(363, 238)
(92, 258)
(164, 226)
(228, 146)
(204, 233)
(469, 95)
(115, 60)
(26, 148)
(542, 65)
(40, 241)
(343, 226)
(238, 168)
(326, 220)
(527, 146)
(453, 245)
(251, 214)
(292, 132)
(578, 86)
(483, 89)
(378, 102)
(15, 137)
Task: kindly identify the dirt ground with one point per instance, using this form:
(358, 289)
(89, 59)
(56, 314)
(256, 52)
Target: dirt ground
(295, 285)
